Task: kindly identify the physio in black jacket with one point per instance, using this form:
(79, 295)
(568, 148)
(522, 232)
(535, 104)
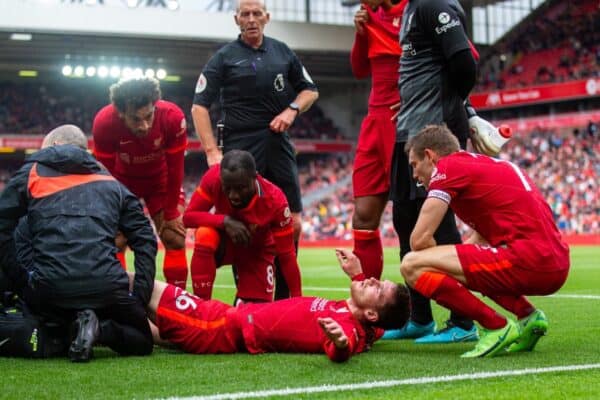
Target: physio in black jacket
(74, 208)
(437, 72)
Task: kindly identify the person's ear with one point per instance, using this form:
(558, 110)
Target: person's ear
(235, 18)
(371, 315)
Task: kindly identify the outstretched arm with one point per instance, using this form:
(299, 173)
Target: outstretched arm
(350, 264)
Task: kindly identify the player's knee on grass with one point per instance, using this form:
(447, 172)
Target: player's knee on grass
(172, 240)
(207, 237)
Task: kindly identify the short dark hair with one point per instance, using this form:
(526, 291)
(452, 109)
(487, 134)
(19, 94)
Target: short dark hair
(435, 137)
(395, 314)
(133, 94)
(235, 160)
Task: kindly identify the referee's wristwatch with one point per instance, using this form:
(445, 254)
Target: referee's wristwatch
(294, 106)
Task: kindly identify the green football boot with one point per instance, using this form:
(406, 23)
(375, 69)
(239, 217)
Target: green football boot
(533, 327)
(494, 341)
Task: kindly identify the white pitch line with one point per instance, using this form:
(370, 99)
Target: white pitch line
(387, 384)
(333, 289)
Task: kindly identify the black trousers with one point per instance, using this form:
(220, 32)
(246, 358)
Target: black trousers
(124, 326)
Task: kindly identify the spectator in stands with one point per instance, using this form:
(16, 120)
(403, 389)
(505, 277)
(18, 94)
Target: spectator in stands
(263, 87)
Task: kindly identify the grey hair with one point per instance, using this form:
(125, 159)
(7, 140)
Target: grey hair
(66, 134)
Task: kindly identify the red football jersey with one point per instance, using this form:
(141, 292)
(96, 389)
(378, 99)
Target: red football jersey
(291, 326)
(159, 155)
(127, 155)
(502, 204)
(268, 212)
(268, 218)
(377, 53)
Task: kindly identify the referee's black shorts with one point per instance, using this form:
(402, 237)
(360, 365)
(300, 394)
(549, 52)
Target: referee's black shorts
(275, 159)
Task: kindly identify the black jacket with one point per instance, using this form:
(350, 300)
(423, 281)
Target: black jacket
(74, 209)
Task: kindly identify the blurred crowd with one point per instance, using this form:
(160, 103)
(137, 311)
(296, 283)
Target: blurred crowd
(31, 108)
(560, 45)
(565, 166)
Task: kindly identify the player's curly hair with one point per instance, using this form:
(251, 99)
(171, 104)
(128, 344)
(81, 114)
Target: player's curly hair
(133, 94)
(396, 313)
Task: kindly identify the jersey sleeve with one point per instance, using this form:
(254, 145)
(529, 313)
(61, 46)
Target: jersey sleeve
(444, 26)
(340, 355)
(210, 81)
(359, 57)
(105, 143)
(447, 181)
(176, 143)
(299, 76)
(198, 212)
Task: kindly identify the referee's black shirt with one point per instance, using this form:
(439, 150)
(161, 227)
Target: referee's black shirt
(253, 85)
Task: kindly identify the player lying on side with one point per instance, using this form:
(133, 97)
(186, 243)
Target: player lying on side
(339, 329)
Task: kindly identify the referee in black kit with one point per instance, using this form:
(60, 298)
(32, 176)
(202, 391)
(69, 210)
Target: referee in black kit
(262, 88)
(437, 71)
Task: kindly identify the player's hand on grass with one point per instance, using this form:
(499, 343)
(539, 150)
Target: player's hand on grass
(349, 262)
(237, 231)
(334, 332)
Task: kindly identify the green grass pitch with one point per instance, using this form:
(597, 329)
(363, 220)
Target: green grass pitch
(396, 369)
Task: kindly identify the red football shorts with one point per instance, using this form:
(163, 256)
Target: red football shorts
(371, 170)
(152, 190)
(500, 271)
(196, 325)
(254, 269)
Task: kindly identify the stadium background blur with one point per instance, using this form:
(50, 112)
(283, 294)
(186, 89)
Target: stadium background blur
(539, 73)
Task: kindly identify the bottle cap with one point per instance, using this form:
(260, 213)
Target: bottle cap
(505, 131)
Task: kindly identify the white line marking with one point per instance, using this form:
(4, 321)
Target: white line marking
(390, 383)
(333, 289)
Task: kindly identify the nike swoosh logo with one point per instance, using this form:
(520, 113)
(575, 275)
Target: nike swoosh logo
(239, 62)
(4, 341)
(125, 142)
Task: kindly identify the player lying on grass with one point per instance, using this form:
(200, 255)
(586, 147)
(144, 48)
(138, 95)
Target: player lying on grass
(339, 329)
(515, 250)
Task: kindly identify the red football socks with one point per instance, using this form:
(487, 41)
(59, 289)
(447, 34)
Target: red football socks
(368, 249)
(175, 267)
(203, 269)
(450, 293)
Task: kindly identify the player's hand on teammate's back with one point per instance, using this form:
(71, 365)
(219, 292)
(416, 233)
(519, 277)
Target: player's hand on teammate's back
(334, 332)
(349, 262)
(237, 231)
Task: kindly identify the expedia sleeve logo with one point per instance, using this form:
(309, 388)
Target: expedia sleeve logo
(447, 23)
